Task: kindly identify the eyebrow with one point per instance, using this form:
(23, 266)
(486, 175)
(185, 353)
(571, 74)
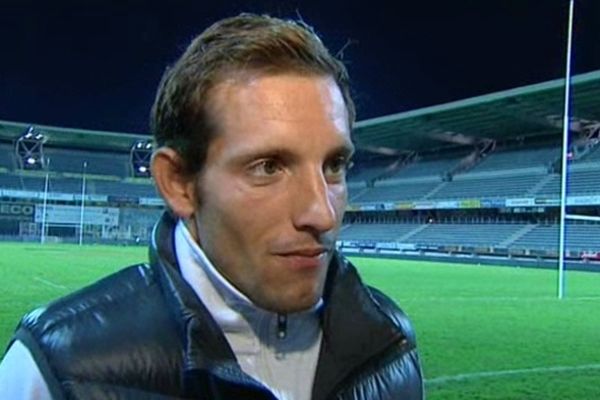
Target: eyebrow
(346, 150)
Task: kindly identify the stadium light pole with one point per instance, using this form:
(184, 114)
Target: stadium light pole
(565, 149)
(82, 204)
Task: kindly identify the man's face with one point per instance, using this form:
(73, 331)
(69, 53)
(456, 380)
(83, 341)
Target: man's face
(272, 193)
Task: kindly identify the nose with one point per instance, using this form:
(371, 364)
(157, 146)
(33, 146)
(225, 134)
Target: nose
(315, 204)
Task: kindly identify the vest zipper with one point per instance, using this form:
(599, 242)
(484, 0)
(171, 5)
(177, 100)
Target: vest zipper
(281, 326)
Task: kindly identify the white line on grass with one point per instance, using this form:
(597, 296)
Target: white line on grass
(48, 283)
(492, 374)
(491, 299)
(586, 298)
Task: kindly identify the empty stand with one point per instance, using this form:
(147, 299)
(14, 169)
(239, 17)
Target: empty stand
(9, 181)
(71, 160)
(518, 159)
(464, 234)
(544, 237)
(59, 184)
(377, 232)
(426, 168)
(7, 156)
(490, 186)
(535, 236)
(366, 173)
(399, 191)
(578, 183)
(124, 188)
(592, 156)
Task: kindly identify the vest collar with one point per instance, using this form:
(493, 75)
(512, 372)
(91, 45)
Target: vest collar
(233, 311)
(204, 342)
(355, 329)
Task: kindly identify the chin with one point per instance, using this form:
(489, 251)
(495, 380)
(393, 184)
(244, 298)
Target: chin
(289, 306)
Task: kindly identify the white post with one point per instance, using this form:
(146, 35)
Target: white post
(45, 204)
(565, 150)
(82, 205)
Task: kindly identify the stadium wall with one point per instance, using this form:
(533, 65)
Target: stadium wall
(479, 260)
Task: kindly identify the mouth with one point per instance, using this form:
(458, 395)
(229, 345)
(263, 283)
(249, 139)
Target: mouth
(306, 258)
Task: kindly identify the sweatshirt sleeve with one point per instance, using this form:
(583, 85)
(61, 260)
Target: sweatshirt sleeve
(20, 376)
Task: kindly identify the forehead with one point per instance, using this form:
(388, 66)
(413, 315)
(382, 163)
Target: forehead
(285, 108)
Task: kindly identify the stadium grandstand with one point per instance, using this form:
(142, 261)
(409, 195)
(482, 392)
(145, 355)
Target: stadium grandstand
(476, 179)
(65, 185)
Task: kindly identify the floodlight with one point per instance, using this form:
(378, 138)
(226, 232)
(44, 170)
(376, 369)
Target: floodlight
(29, 147)
(140, 156)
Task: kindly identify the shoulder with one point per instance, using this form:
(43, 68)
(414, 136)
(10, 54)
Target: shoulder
(118, 313)
(95, 299)
(107, 332)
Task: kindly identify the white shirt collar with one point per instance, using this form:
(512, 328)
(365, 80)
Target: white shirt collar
(287, 367)
(196, 268)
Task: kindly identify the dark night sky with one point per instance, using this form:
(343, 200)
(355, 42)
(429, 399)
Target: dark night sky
(96, 64)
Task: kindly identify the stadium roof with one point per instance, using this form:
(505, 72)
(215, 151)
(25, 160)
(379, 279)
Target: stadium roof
(73, 137)
(526, 111)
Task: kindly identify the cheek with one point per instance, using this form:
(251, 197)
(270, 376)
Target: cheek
(250, 215)
(338, 197)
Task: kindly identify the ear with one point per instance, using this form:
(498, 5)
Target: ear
(176, 189)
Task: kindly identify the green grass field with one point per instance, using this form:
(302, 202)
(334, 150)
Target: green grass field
(483, 332)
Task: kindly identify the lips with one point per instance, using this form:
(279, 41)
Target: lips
(307, 252)
(305, 258)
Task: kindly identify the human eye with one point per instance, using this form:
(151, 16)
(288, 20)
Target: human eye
(265, 168)
(337, 168)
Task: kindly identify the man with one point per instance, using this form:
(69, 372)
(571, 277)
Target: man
(245, 296)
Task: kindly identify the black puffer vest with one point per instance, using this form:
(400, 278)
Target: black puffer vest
(143, 334)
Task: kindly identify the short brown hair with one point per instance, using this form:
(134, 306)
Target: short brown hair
(179, 117)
